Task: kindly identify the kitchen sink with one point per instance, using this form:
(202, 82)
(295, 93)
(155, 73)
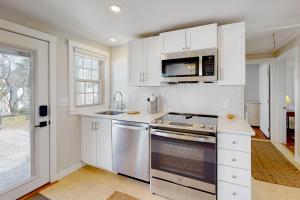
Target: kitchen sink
(110, 112)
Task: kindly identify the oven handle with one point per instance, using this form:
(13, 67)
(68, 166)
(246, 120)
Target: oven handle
(183, 136)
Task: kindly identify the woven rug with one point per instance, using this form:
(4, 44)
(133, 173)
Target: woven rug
(120, 196)
(269, 165)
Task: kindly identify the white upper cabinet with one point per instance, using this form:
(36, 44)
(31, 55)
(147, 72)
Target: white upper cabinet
(144, 62)
(173, 41)
(202, 37)
(136, 61)
(152, 74)
(231, 54)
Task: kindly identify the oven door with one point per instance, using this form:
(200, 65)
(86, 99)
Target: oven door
(184, 159)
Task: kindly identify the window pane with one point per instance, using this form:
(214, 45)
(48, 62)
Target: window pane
(95, 64)
(96, 85)
(95, 75)
(79, 99)
(78, 61)
(87, 74)
(88, 87)
(87, 63)
(79, 73)
(80, 87)
(96, 98)
(89, 99)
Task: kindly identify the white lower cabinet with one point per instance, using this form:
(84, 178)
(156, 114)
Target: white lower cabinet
(234, 166)
(227, 191)
(104, 145)
(88, 141)
(96, 142)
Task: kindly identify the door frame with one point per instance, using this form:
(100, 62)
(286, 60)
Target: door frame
(274, 98)
(52, 41)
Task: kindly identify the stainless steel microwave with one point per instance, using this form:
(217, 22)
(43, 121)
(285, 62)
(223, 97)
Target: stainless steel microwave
(190, 66)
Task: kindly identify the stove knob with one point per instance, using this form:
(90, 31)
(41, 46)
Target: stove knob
(202, 126)
(210, 127)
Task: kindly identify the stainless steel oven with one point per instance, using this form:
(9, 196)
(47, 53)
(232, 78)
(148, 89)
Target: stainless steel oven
(189, 66)
(183, 161)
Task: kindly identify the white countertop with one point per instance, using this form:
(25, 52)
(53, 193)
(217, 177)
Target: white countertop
(237, 125)
(142, 117)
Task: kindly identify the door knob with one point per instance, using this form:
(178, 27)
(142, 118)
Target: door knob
(42, 124)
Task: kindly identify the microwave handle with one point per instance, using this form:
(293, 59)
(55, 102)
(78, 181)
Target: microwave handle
(200, 66)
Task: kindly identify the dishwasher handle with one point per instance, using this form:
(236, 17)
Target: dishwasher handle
(130, 127)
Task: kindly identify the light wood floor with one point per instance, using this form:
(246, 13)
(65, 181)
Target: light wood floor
(90, 183)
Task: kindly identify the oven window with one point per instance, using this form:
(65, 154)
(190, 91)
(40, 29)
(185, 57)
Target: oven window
(190, 159)
(180, 67)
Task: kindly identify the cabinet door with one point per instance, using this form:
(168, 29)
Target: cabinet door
(174, 41)
(231, 43)
(136, 62)
(202, 37)
(104, 147)
(152, 74)
(88, 141)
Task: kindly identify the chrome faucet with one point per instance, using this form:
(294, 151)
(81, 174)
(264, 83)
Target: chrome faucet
(120, 105)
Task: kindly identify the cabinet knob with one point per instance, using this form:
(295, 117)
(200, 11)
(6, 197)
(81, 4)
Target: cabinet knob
(234, 194)
(234, 176)
(233, 142)
(233, 159)
(183, 48)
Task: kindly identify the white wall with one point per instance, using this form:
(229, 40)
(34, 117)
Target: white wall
(68, 127)
(193, 98)
(252, 83)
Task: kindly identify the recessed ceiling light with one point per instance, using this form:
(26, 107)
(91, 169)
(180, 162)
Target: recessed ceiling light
(112, 39)
(115, 8)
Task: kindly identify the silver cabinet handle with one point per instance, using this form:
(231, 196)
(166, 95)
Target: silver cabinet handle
(145, 76)
(140, 76)
(93, 126)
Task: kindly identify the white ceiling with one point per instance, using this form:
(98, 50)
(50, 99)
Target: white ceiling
(93, 19)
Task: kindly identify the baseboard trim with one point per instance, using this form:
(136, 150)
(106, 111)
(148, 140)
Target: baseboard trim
(69, 170)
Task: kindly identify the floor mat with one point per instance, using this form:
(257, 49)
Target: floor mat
(269, 165)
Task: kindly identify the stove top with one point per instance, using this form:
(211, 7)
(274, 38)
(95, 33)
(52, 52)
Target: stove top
(186, 122)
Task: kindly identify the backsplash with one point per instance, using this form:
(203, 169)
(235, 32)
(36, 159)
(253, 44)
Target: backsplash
(208, 98)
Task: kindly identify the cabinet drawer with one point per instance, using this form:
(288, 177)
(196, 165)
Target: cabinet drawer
(234, 158)
(227, 191)
(234, 175)
(234, 142)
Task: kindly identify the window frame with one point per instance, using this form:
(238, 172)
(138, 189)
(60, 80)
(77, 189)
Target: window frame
(104, 83)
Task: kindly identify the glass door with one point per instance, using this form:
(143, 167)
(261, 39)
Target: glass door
(24, 146)
(16, 117)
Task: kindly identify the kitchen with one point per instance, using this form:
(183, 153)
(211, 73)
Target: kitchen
(159, 141)
(127, 100)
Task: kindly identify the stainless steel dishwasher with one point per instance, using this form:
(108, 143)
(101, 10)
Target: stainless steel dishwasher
(130, 143)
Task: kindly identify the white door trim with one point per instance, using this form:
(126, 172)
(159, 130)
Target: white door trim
(52, 40)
